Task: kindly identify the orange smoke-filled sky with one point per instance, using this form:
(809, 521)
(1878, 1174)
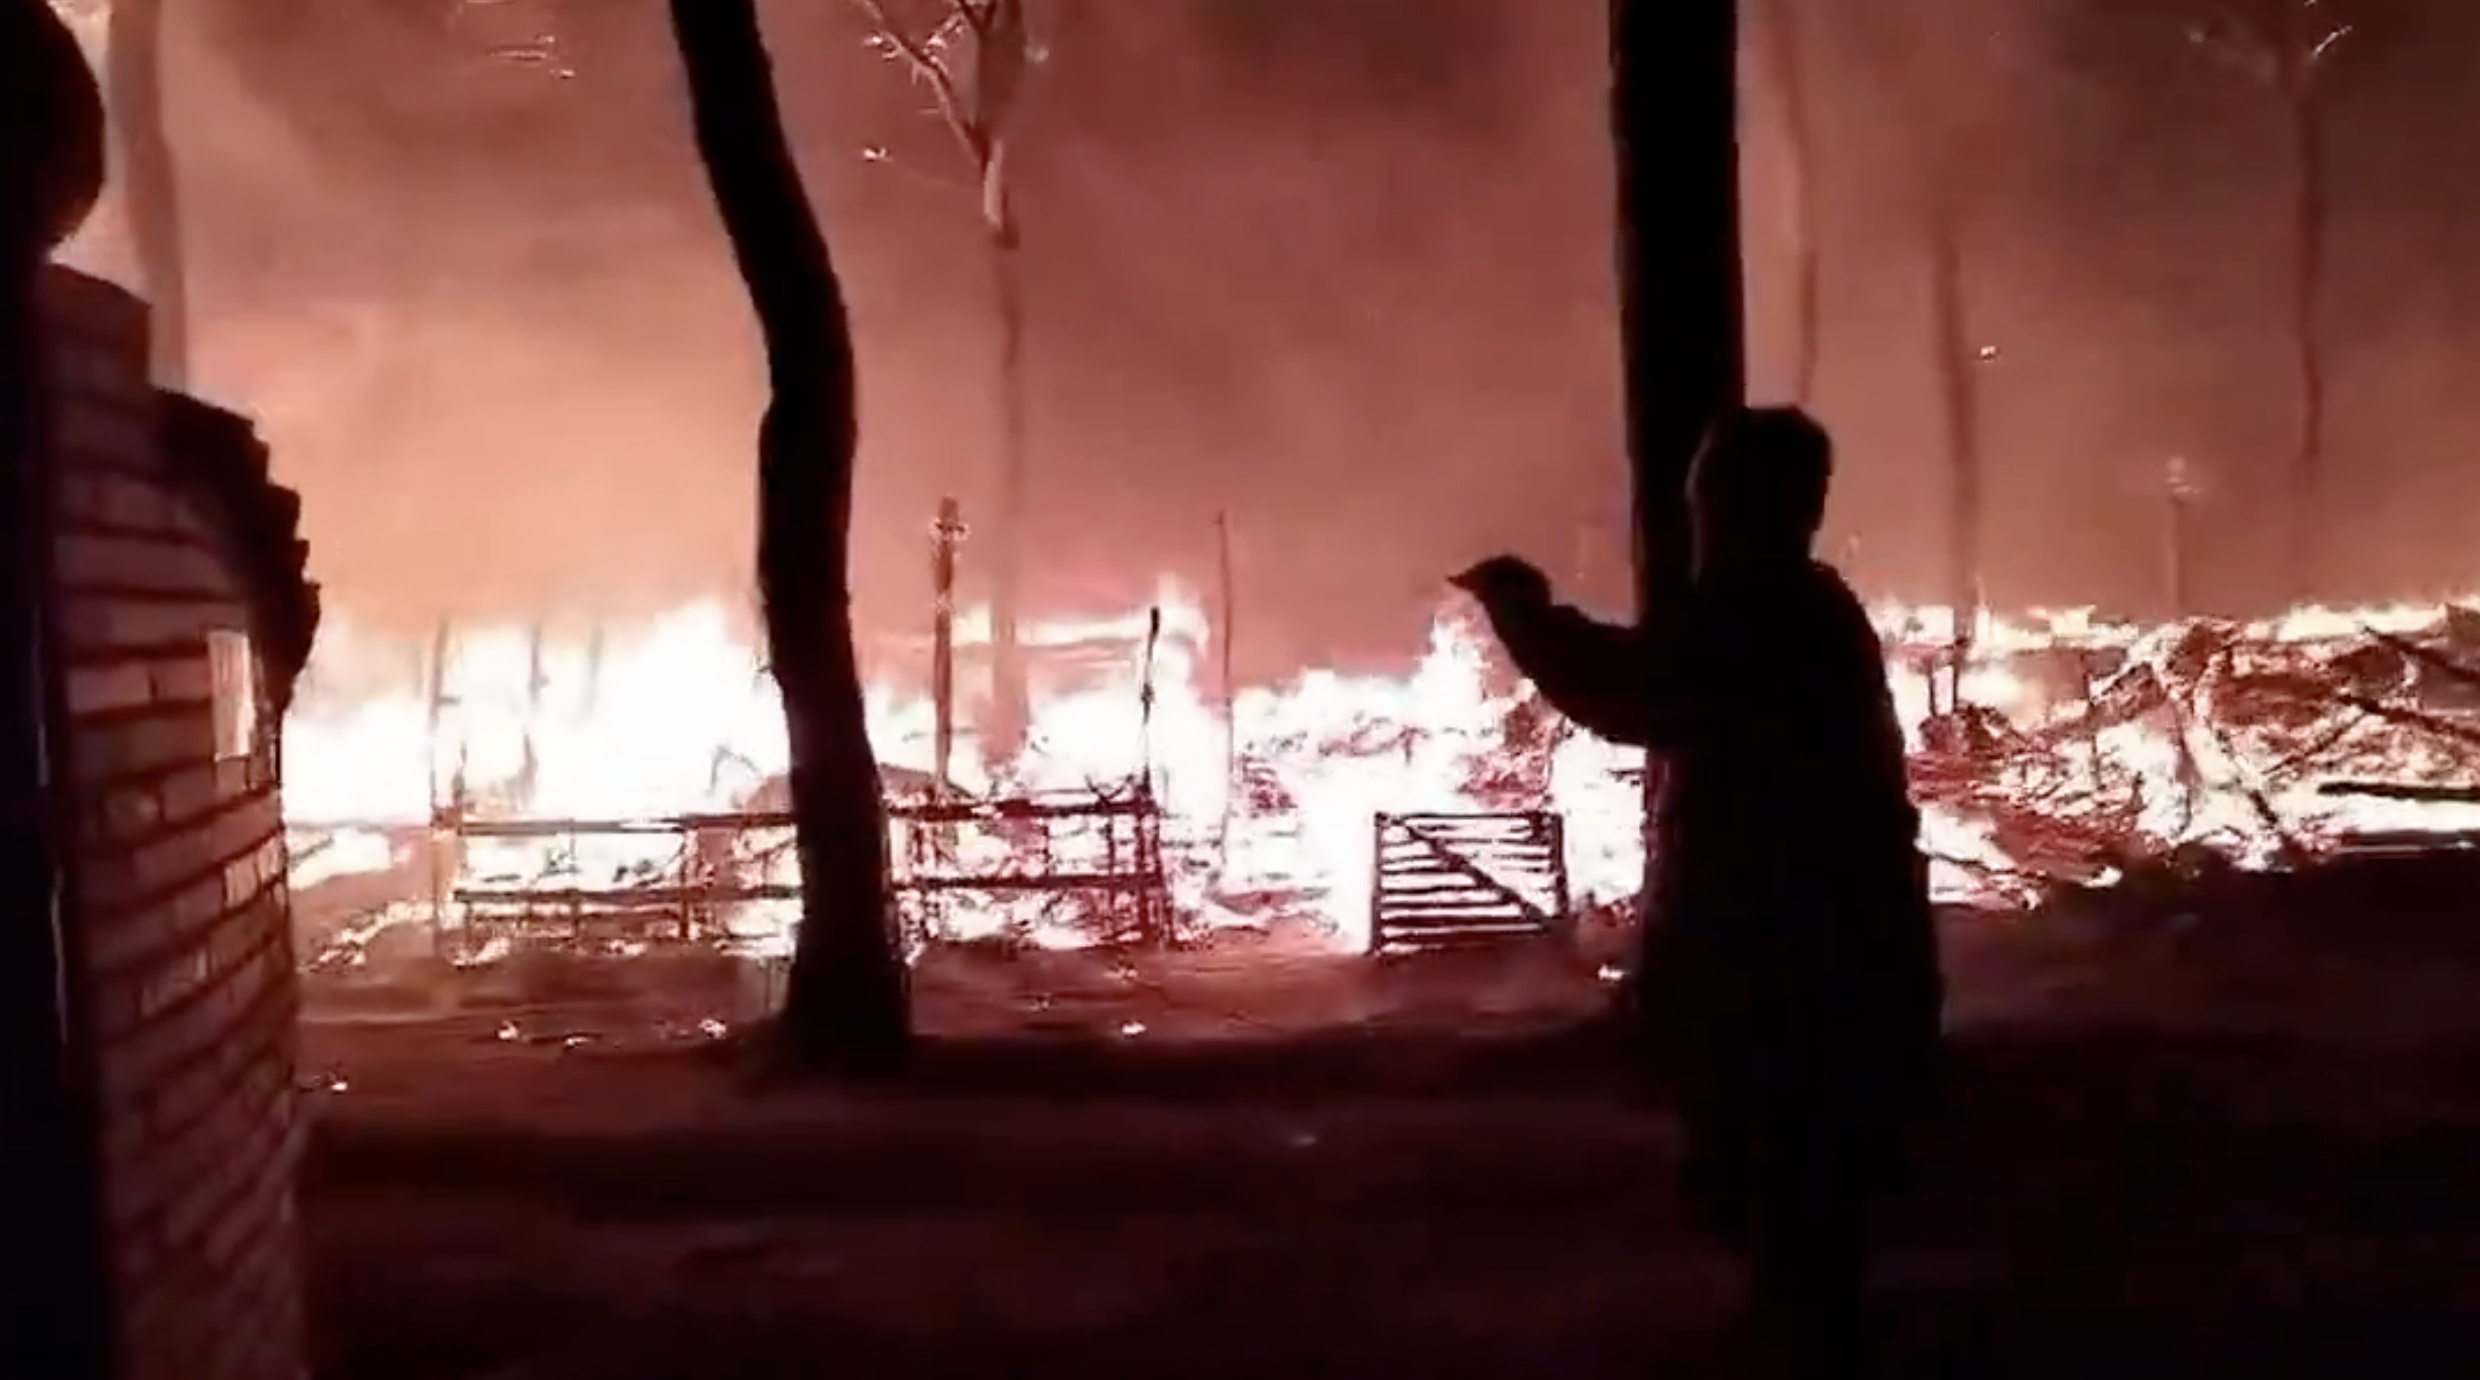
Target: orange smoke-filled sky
(1338, 269)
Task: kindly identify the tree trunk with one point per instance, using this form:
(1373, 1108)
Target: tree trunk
(1782, 50)
(150, 184)
(1010, 713)
(2308, 212)
(1957, 364)
(1674, 121)
(845, 1005)
(1675, 116)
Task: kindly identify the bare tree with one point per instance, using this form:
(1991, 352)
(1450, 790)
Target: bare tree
(1956, 359)
(149, 182)
(845, 1004)
(972, 56)
(2285, 45)
(1949, 163)
(1778, 29)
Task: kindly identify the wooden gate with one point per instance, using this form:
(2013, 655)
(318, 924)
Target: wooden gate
(1459, 880)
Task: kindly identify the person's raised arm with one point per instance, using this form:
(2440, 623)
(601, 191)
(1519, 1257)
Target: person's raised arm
(1604, 676)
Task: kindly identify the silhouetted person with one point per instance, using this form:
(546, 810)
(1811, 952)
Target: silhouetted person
(1788, 981)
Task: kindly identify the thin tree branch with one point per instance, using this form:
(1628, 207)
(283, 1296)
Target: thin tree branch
(1000, 52)
(954, 110)
(2277, 51)
(2326, 46)
(884, 157)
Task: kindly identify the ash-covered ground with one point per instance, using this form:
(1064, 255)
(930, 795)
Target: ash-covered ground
(2232, 1135)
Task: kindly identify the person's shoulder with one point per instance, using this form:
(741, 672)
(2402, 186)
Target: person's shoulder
(1833, 601)
(1826, 585)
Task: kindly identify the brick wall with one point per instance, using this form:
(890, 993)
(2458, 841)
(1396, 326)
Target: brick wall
(188, 1002)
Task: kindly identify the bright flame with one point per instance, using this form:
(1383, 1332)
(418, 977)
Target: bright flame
(676, 717)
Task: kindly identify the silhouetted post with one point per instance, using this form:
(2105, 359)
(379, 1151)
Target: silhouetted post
(54, 1320)
(441, 847)
(2178, 499)
(946, 535)
(597, 643)
(435, 707)
(1224, 616)
(1675, 129)
(537, 690)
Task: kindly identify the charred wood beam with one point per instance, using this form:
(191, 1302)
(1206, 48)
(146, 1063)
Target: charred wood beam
(926, 812)
(2411, 792)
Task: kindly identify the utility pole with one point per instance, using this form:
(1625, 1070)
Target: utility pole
(946, 535)
(2179, 493)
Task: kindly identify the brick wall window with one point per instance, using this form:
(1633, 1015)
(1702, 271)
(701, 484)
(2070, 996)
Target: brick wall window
(233, 664)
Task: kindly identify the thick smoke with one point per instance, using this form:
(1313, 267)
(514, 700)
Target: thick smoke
(1338, 268)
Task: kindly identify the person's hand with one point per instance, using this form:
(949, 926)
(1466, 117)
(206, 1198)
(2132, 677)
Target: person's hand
(1504, 582)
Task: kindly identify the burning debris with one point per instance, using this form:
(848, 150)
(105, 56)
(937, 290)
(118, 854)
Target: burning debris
(620, 792)
(2260, 745)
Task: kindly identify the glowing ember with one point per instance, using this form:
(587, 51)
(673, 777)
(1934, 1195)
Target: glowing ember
(2149, 741)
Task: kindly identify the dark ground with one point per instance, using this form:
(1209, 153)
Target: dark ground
(2184, 1149)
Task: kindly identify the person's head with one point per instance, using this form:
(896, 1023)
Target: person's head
(1757, 490)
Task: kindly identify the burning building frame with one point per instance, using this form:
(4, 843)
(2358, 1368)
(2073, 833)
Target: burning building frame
(491, 806)
(539, 791)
